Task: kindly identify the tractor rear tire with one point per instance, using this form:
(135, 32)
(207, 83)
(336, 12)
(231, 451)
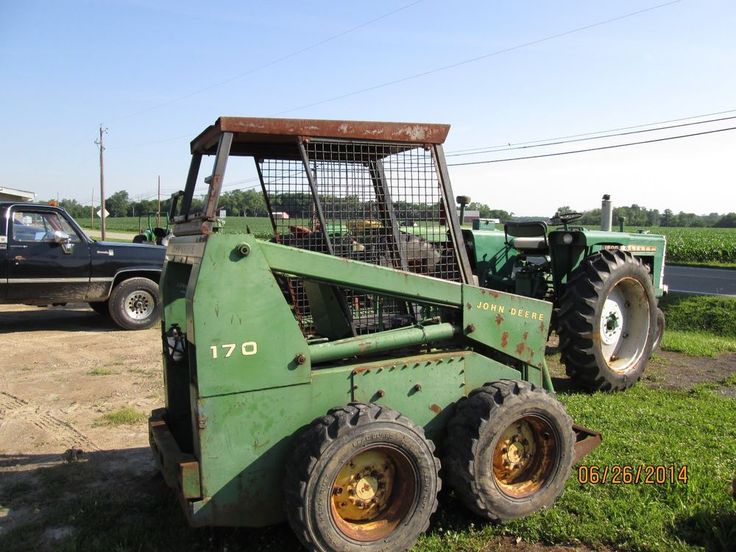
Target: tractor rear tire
(363, 477)
(607, 321)
(140, 238)
(134, 304)
(660, 331)
(509, 450)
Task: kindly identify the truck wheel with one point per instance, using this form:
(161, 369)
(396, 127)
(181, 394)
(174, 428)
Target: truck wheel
(134, 304)
(659, 330)
(607, 321)
(363, 477)
(509, 450)
(100, 308)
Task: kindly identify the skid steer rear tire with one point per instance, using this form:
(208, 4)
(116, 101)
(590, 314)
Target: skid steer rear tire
(508, 450)
(361, 478)
(607, 321)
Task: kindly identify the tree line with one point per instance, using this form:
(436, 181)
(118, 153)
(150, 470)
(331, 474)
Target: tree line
(299, 205)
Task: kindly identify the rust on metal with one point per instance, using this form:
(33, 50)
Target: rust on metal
(435, 408)
(499, 319)
(585, 441)
(504, 339)
(520, 348)
(264, 130)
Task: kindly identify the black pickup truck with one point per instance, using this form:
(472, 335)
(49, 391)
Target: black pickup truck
(46, 258)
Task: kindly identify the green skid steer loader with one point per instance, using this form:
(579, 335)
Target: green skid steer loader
(325, 375)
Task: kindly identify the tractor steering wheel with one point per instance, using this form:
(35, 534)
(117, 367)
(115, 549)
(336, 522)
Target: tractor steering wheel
(565, 218)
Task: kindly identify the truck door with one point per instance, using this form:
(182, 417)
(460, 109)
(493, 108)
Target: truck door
(41, 268)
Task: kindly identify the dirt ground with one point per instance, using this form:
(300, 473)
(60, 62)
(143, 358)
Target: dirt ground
(63, 369)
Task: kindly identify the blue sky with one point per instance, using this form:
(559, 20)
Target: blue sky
(140, 67)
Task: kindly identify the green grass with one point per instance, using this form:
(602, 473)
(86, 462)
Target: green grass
(699, 325)
(100, 372)
(124, 416)
(700, 344)
(715, 315)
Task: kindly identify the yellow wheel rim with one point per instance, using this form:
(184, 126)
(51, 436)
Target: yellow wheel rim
(372, 493)
(524, 457)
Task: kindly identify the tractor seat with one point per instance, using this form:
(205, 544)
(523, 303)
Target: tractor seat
(527, 237)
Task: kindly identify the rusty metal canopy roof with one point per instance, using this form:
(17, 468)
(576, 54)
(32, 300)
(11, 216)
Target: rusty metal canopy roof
(264, 136)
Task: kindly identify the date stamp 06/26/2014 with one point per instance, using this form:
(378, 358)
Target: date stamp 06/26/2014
(642, 474)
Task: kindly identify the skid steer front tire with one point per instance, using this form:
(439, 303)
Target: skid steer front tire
(607, 321)
(361, 478)
(508, 450)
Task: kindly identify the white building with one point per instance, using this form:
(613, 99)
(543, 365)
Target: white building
(9, 194)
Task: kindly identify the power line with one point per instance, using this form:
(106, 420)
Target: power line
(560, 142)
(481, 57)
(628, 144)
(274, 61)
(500, 147)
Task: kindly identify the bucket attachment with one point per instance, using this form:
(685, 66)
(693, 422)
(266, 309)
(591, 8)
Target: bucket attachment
(585, 441)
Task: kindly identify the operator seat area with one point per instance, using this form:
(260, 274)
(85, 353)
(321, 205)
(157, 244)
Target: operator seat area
(527, 237)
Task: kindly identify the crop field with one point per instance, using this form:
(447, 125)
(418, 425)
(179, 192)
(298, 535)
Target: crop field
(700, 245)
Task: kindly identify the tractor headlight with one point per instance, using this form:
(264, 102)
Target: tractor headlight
(567, 239)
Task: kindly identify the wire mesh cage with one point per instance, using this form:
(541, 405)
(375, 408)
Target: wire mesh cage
(379, 203)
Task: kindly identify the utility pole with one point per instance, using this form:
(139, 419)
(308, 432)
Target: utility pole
(158, 212)
(101, 144)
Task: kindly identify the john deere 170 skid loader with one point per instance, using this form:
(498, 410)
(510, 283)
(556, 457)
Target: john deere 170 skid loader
(320, 376)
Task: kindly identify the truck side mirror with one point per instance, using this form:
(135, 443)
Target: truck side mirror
(63, 239)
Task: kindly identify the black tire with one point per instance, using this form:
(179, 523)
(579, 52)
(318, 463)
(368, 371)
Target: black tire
(660, 326)
(508, 450)
(100, 308)
(140, 238)
(134, 304)
(399, 481)
(607, 321)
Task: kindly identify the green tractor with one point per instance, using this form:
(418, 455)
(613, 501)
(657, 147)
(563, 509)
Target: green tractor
(153, 233)
(604, 286)
(325, 375)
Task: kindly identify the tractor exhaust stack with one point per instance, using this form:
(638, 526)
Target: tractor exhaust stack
(606, 213)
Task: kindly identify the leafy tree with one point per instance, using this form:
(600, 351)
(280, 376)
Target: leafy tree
(727, 221)
(117, 204)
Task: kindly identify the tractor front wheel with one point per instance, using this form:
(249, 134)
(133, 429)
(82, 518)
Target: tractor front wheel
(363, 477)
(607, 321)
(509, 450)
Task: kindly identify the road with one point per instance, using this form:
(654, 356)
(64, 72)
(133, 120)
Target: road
(699, 280)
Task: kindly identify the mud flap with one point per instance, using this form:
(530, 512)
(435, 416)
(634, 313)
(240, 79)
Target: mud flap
(585, 441)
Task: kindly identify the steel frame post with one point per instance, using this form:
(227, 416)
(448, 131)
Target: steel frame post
(456, 233)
